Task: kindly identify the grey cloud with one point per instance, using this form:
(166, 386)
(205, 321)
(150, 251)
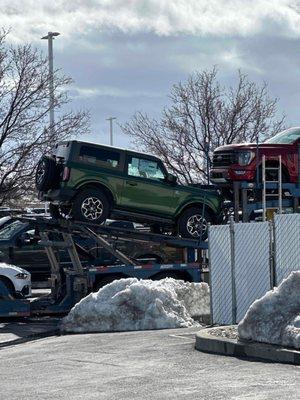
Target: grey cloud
(136, 72)
(162, 17)
(125, 56)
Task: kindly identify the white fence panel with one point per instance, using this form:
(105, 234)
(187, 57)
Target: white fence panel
(220, 274)
(287, 245)
(252, 264)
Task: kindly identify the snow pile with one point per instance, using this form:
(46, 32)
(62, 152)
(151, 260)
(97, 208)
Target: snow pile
(132, 304)
(275, 318)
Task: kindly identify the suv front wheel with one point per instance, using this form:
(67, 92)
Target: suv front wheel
(193, 223)
(90, 205)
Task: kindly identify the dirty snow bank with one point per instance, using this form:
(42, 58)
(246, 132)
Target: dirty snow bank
(275, 318)
(132, 304)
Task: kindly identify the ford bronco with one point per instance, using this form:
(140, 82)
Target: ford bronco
(91, 183)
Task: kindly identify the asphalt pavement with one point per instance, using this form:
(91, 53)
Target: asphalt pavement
(19, 330)
(137, 365)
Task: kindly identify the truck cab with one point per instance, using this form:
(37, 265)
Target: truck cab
(243, 162)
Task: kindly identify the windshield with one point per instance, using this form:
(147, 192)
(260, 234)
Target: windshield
(8, 231)
(289, 136)
(4, 220)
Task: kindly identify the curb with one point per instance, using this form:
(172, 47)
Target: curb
(232, 347)
(30, 338)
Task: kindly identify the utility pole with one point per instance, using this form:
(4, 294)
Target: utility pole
(50, 38)
(111, 129)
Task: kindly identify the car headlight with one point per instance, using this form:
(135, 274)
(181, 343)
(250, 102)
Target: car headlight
(245, 157)
(21, 275)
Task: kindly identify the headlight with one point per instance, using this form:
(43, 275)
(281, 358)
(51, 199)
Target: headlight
(21, 275)
(245, 157)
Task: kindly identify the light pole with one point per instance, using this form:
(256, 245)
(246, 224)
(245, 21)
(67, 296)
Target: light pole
(111, 129)
(50, 38)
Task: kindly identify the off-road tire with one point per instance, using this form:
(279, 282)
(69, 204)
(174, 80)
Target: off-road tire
(91, 205)
(196, 216)
(46, 176)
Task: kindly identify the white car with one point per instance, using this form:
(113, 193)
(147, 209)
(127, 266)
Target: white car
(16, 280)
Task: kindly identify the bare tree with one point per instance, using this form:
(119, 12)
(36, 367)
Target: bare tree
(24, 120)
(202, 116)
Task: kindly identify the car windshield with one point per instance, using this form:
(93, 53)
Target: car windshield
(8, 231)
(289, 136)
(4, 220)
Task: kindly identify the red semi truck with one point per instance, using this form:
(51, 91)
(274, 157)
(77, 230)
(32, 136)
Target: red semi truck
(242, 162)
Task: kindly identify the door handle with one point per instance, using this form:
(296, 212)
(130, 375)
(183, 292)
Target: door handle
(131, 183)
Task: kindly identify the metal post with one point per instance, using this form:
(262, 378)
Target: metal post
(296, 199)
(50, 38)
(264, 187)
(51, 84)
(56, 287)
(233, 286)
(280, 186)
(272, 253)
(210, 276)
(111, 129)
(244, 205)
(298, 183)
(257, 166)
(236, 200)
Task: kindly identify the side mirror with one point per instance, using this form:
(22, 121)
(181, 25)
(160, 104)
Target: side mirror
(171, 178)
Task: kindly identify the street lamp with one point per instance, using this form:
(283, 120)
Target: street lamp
(50, 38)
(111, 129)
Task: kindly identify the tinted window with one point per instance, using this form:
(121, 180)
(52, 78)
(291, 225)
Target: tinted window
(144, 168)
(101, 157)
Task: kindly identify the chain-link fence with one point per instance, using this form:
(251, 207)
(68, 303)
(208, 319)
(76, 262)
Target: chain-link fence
(287, 245)
(246, 260)
(252, 268)
(220, 277)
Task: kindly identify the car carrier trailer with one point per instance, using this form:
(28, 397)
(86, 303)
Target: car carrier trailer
(269, 194)
(70, 284)
(246, 209)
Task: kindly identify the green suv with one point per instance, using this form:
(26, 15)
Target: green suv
(90, 182)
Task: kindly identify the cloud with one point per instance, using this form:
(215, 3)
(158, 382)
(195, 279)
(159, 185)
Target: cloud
(30, 18)
(124, 55)
(108, 91)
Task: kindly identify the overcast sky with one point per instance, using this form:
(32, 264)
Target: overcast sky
(124, 55)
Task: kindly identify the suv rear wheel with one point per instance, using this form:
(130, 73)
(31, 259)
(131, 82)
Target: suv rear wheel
(193, 223)
(91, 205)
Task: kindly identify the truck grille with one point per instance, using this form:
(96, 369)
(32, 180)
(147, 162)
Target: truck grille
(224, 158)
